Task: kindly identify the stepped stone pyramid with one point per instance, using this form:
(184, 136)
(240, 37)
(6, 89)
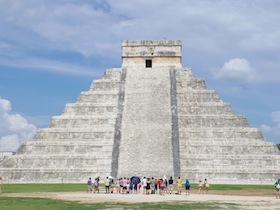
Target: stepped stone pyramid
(151, 117)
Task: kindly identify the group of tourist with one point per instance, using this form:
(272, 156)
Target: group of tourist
(134, 185)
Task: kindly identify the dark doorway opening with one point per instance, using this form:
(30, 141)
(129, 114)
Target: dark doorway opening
(148, 63)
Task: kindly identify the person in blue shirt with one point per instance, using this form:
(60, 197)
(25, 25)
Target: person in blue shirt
(188, 187)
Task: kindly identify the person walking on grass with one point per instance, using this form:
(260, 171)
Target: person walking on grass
(96, 185)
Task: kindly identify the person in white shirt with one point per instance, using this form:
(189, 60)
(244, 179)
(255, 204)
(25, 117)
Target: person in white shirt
(144, 183)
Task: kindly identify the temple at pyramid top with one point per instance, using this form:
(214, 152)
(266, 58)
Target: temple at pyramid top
(151, 53)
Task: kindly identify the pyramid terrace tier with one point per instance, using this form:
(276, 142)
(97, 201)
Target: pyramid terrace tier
(208, 108)
(231, 160)
(82, 121)
(197, 96)
(52, 175)
(86, 134)
(229, 148)
(100, 159)
(185, 83)
(66, 148)
(197, 121)
(219, 133)
(96, 97)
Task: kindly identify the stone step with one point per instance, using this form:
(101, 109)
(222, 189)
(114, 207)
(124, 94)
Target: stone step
(247, 142)
(220, 133)
(82, 121)
(74, 134)
(207, 108)
(52, 175)
(111, 95)
(93, 109)
(220, 161)
(194, 121)
(105, 85)
(100, 97)
(226, 169)
(230, 157)
(99, 141)
(184, 73)
(84, 117)
(197, 96)
(230, 149)
(190, 83)
(102, 159)
(66, 149)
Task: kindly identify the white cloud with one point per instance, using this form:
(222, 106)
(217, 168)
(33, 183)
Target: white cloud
(275, 129)
(210, 30)
(9, 143)
(49, 65)
(14, 128)
(237, 70)
(265, 128)
(276, 117)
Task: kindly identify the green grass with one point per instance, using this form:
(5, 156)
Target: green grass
(28, 188)
(7, 203)
(239, 187)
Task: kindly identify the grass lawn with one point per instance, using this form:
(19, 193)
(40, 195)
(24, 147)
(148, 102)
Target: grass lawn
(7, 203)
(21, 203)
(27, 188)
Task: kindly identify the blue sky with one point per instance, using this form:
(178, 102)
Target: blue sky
(50, 51)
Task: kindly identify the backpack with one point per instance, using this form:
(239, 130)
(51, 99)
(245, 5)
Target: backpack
(278, 185)
(187, 183)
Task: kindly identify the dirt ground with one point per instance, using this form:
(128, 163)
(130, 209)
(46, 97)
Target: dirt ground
(256, 200)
